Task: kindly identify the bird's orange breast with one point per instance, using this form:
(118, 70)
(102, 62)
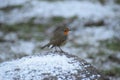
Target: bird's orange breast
(66, 32)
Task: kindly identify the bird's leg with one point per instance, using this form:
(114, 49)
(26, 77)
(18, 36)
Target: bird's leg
(60, 49)
(55, 49)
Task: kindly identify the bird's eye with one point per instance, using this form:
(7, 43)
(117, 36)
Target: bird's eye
(67, 29)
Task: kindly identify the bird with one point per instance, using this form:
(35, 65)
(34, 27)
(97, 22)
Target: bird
(59, 38)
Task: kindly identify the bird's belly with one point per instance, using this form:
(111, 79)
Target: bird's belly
(59, 42)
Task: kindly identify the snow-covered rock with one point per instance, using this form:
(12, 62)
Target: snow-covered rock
(49, 66)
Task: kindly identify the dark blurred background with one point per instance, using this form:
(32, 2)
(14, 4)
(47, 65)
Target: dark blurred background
(25, 25)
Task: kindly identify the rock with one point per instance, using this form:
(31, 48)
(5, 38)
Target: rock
(49, 66)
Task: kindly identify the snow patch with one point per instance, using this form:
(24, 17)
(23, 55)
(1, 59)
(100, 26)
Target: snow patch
(23, 47)
(93, 35)
(11, 36)
(5, 3)
(37, 65)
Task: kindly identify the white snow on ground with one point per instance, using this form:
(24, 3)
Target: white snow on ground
(25, 47)
(53, 64)
(1, 33)
(11, 36)
(36, 8)
(5, 3)
(93, 35)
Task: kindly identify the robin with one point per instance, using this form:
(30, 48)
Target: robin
(60, 35)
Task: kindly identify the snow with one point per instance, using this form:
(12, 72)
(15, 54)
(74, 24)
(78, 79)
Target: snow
(37, 65)
(35, 8)
(1, 33)
(5, 3)
(93, 35)
(26, 47)
(11, 36)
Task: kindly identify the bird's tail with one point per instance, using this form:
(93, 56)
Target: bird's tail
(47, 45)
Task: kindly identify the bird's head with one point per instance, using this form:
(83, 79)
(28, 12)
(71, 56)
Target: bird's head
(66, 31)
(62, 29)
